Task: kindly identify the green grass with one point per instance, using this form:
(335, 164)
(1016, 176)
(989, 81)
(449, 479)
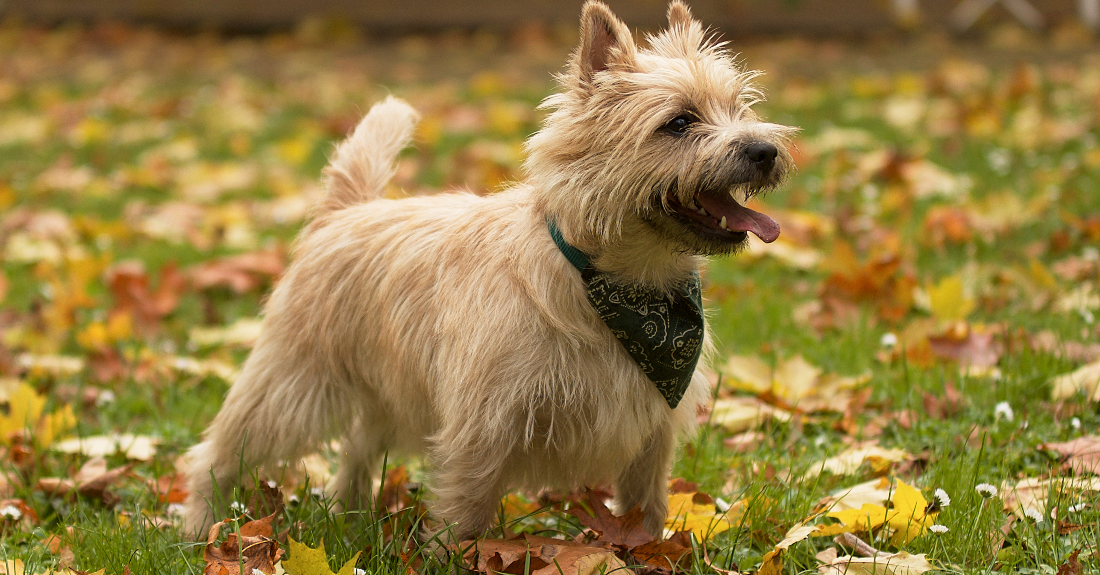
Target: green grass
(207, 99)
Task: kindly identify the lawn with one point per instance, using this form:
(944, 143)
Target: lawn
(909, 373)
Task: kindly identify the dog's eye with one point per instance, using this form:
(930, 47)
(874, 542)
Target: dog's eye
(679, 124)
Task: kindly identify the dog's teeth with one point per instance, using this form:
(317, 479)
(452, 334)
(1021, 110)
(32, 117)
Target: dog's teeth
(691, 204)
(722, 224)
(703, 212)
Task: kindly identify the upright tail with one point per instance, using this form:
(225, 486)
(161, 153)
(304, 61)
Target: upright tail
(364, 163)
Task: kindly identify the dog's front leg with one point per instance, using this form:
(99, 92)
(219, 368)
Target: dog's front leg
(644, 483)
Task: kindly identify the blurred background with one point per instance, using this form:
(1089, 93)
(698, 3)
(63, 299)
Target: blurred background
(738, 16)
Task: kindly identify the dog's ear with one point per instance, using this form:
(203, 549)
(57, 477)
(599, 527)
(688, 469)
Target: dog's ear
(679, 16)
(605, 41)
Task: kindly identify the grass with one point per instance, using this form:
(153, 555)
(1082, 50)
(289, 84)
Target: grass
(130, 120)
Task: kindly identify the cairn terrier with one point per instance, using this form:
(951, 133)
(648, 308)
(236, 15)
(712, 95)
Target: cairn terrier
(544, 336)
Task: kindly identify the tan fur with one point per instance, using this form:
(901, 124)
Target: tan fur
(453, 326)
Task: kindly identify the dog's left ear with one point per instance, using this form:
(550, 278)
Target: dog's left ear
(605, 41)
(679, 16)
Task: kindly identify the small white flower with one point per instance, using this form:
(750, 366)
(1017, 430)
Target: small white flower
(888, 340)
(238, 508)
(1078, 508)
(272, 484)
(256, 571)
(1034, 515)
(986, 490)
(317, 491)
(105, 397)
(943, 498)
(358, 571)
(937, 528)
(10, 512)
(176, 509)
(294, 499)
(1075, 423)
(1003, 409)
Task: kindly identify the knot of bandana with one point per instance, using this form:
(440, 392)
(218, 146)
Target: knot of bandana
(663, 333)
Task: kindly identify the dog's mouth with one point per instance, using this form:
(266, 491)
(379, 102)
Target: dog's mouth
(717, 214)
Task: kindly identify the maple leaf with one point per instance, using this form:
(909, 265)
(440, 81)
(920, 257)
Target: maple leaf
(251, 548)
(851, 459)
(697, 513)
(1031, 494)
(906, 519)
(536, 555)
(305, 560)
(623, 531)
(25, 413)
(129, 284)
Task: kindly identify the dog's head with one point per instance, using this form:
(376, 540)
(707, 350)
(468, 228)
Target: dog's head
(663, 135)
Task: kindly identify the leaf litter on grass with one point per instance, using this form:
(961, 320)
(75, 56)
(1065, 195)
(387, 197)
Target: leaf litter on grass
(937, 258)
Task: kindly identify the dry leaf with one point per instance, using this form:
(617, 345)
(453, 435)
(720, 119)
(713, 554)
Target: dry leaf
(1082, 455)
(539, 556)
(252, 548)
(883, 564)
(1085, 380)
(623, 531)
(137, 447)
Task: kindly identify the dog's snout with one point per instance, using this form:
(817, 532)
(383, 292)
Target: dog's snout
(762, 154)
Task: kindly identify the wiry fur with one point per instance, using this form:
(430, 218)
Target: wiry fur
(453, 326)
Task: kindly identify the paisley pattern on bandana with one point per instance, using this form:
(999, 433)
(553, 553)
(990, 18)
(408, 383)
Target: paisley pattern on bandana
(663, 333)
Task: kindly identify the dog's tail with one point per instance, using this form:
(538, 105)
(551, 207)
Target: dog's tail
(364, 163)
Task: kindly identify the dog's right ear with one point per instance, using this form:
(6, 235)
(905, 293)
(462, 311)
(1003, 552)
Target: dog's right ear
(605, 42)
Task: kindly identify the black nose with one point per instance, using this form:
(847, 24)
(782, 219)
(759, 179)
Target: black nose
(762, 154)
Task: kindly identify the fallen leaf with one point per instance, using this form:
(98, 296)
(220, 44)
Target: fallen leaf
(772, 563)
(882, 564)
(671, 554)
(949, 301)
(1031, 494)
(251, 548)
(536, 555)
(136, 447)
(1085, 380)
(906, 519)
(851, 459)
(243, 332)
(25, 413)
(697, 513)
(241, 273)
(305, 560)
(1082, 455)
(623, 531)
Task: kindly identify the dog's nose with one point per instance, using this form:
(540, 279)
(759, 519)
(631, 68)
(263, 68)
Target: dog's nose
(762, 154)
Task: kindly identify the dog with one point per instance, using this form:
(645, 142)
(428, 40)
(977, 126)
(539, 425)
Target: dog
(492, 333)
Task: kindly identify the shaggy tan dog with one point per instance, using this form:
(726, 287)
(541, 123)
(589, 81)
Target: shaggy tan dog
(455, 326)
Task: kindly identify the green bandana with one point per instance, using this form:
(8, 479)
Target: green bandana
(664, 335)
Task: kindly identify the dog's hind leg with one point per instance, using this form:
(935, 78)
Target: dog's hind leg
(362, 450)
(277, 410)
(644, 483)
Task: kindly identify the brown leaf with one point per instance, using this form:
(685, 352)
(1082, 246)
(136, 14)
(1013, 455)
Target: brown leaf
(625, 531)
(945, 407)
(669, 554)
(968, 346)
(251, 548)
(1082, 455)
(1071, 566)
(129, 284)
(241, 273)
(539, 556)
(169, 488)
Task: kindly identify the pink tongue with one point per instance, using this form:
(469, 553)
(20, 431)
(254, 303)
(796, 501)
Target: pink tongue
(739, 218)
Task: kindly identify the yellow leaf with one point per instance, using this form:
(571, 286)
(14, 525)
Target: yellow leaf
(11, 567)
(702, 519)
(948, 299)
(25, 408)
(772, 563)
(304, 560)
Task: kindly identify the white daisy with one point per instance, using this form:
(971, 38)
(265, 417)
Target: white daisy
(1003, 409)
(942, 497)
(937, 528)
(1034, 515)
(986, 490)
